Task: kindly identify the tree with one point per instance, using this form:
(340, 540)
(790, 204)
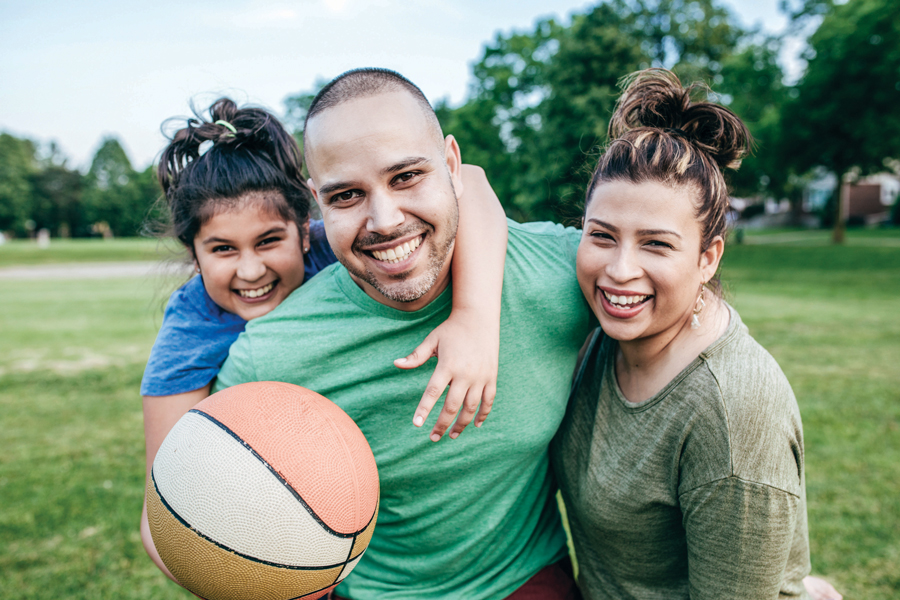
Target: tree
(114, 193)
(17, 165)
(844, 114)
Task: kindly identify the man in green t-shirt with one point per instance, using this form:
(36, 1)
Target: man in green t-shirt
(474, 518)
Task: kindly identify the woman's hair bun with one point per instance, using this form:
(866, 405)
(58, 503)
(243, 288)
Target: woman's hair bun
(656, 99)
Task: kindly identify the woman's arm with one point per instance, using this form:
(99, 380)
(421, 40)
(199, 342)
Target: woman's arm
(468, 343)
(160, 415)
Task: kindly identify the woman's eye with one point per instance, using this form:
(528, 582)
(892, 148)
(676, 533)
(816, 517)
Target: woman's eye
(601, 235)
(659, 244)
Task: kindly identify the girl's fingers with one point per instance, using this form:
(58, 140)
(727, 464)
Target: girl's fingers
(420, 355)
(487, 403)
(452, 404)
(433, 391)
(467, 413)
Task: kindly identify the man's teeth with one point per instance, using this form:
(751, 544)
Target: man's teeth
(624, 300)
(258, 292)
(398, 253)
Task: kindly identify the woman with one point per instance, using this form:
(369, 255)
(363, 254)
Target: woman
(681, 456)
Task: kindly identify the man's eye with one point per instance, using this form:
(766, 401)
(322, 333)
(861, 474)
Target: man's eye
(346, 196)
(405, 177)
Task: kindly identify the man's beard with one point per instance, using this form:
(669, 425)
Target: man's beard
(403, 289)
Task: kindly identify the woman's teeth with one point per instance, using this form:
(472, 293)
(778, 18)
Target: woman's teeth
(398, 253)
(624, 301)
(257, 292)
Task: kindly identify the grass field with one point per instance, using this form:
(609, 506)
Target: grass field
(26, 252)
(71, 449)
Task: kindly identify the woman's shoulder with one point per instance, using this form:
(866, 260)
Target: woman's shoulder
(759, 412)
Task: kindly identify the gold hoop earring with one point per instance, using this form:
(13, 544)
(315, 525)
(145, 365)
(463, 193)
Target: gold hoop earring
(699, 305)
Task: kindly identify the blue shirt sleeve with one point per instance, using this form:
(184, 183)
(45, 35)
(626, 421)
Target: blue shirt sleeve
(320, 254)
(192, 343)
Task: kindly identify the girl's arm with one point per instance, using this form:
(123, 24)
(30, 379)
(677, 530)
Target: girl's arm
(467, 344)
(160, 415)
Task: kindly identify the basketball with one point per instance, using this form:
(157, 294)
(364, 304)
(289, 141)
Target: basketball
(264, 490)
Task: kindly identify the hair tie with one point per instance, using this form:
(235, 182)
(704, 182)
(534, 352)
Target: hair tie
(227, 126)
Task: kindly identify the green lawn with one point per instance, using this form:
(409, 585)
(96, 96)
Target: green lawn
(27, 252)
(71, 450)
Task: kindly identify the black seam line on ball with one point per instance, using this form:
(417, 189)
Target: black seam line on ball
(232, 550)
(346, 562)
(276, 474)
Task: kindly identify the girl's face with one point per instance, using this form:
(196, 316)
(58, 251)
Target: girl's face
(250, 258)
(639, 261)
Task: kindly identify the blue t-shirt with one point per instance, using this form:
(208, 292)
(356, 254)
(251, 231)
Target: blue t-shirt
(196, 333)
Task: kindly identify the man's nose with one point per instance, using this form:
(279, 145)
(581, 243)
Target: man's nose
(385, 213)
(251, 266)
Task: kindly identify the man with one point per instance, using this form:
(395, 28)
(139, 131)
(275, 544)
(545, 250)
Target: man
(474, 518)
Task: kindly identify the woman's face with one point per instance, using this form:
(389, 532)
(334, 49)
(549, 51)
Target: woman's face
(639, 261)
(250, 258)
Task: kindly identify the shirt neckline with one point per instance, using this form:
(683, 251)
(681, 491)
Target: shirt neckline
(365, 302)
(609, 370)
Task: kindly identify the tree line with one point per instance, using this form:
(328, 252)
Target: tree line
(537, 109)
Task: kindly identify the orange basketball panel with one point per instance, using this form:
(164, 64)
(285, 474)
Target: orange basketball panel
(313, 444)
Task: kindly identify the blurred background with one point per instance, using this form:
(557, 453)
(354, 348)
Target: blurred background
(527, 87)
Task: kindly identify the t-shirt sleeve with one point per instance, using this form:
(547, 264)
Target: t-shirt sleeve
(238, 367)
(740, 536)
(192, 343)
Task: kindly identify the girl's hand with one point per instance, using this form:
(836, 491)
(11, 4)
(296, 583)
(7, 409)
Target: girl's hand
(467, 348)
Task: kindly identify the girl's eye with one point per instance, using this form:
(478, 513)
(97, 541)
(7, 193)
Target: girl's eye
(269, 240)
(222, 248)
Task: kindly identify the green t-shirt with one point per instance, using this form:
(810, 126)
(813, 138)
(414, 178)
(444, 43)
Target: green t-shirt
(697, 492)
(468, 518)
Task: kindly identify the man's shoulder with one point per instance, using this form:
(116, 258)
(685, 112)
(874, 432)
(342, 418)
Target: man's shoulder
(541, 248)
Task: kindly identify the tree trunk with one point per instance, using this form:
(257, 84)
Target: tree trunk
(840, 214)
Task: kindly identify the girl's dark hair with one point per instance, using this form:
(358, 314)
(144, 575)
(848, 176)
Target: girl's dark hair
(658, 133)
(249, 151)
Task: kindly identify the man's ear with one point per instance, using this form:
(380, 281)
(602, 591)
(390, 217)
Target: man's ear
(315, 192)
(454, 164)
(711, 257)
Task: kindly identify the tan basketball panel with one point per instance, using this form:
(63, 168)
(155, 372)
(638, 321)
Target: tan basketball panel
(217, 486)
(212, 572)
(310, 441)
(363, 539)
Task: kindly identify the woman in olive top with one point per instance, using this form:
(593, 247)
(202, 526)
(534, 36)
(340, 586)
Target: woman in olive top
(681, 456)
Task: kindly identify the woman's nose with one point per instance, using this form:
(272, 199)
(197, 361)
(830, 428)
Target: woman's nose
(624, 266)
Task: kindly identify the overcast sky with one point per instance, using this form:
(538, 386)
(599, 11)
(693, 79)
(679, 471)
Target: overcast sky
(75, 71)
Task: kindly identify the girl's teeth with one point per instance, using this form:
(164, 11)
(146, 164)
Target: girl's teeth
(257, 293)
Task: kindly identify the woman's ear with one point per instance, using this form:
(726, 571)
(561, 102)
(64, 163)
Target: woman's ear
(711, 257)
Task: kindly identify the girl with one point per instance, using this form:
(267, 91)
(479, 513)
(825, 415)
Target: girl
(681, 455)
(241, 209)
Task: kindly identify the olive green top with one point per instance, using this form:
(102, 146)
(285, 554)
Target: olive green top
(697, 492)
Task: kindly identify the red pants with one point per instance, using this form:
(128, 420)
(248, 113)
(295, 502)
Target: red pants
(550, 583)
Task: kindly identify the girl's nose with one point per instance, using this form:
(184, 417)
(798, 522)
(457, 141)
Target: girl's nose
(251, 267)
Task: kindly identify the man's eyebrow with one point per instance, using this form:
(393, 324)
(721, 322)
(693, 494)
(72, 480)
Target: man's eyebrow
(413, 161)
(615, 229)
(328, 188)
(406, 163)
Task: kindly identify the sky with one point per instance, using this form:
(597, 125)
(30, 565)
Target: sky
(75, 72)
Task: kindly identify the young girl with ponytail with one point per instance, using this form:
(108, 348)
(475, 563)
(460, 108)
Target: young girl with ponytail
(239, 205)
(680, 459)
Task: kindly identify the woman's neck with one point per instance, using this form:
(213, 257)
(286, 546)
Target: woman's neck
(646, 366)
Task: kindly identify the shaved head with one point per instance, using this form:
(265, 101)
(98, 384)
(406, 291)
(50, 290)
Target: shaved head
(362, 83)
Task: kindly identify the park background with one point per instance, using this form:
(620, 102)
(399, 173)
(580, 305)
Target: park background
(820, 92)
